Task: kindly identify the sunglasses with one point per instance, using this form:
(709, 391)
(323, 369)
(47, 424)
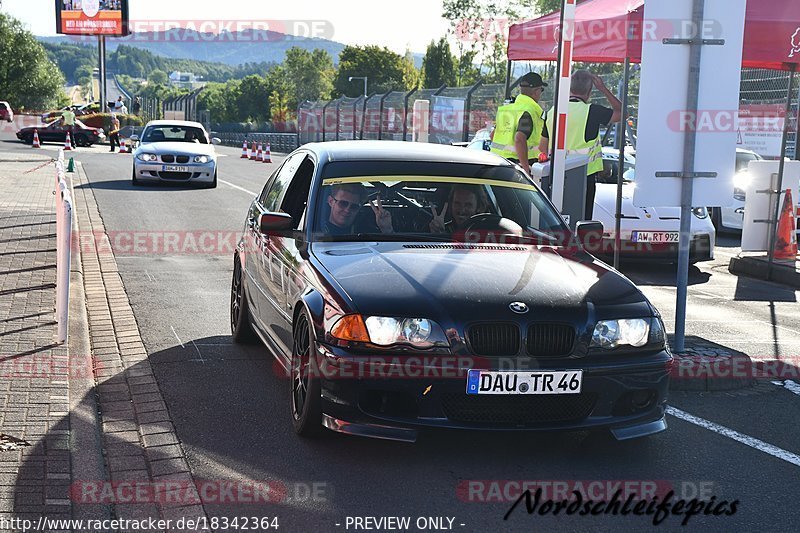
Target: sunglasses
(344, 204)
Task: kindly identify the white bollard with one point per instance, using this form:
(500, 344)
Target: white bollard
(64, 259)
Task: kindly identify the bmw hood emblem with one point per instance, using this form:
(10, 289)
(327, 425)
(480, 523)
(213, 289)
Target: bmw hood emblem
(518, 307)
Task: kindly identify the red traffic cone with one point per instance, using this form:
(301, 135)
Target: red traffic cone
(68, 143)
(244, 150)
(253, 152)
(267, 154)
(122, 148)
(260, 154)
(786, 239)
(36, 143)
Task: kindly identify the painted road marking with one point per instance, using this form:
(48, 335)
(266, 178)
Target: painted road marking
(747, 440)
(176, 336)
(789, 385)
(229, 184)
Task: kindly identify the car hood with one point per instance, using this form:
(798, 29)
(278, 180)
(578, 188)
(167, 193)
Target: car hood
(643, 218)
(172, 147)
(442, 282)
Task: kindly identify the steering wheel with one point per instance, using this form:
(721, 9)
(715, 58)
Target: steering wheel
(492, 222)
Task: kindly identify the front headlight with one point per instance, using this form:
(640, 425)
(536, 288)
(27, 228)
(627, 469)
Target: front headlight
(739, 194)
(388, 331)
(610, 334)
(700, 212)
(201, 159)
(147, 158)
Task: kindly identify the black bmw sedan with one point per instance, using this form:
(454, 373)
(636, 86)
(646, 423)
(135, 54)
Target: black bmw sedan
(403, 286)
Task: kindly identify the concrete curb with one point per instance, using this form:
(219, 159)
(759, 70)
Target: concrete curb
(139, 440)
(757, 267)
(707, 367)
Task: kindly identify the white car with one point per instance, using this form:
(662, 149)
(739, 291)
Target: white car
(648, 233)
(175, 151)
(731, 219)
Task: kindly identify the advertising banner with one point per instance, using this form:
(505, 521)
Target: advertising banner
(92, 17)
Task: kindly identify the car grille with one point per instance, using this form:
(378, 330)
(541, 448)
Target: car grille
(167, 158)
(182, 159)
(517, 409)
(175, 175)
(543, 340)
(550, 340)
(494, 339)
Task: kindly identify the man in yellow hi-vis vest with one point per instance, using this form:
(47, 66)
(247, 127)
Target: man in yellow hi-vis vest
(518, 128)
(583, 127)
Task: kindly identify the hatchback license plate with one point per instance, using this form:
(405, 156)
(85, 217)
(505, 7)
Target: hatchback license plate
(490, 382)
(656, 236)
(173, 168)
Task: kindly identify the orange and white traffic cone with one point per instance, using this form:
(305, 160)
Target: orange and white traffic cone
(36, 143)
(122, 148)
(68, 143)
(253, 152)
(786, 239)
(244, 150)
(267, 154)
(260, 154)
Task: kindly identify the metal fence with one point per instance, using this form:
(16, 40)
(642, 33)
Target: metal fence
(279, 142)
(456, 114)
(182, 107)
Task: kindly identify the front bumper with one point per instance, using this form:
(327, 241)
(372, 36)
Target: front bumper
(394, 406)
(197, 172)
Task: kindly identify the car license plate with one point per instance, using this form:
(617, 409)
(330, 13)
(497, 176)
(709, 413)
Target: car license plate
(528, 382)
(173, 168)
(656, 236)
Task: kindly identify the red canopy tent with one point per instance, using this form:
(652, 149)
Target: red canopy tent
(602, 27)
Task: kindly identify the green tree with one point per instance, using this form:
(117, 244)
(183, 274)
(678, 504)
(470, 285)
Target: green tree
(253, 98)
(544, 7)
(307, 75)
(28, 78)
(438, 65)
(158, 77)
(386, 70)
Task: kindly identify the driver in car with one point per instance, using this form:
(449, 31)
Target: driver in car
(465, 201)
(345, 201)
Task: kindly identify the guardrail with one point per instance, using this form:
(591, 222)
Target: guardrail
(63, 248)
(278, 142)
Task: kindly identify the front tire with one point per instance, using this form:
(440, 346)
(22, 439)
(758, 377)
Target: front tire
(213, 184)
(305, 396)
(136, 182)
(241, 329)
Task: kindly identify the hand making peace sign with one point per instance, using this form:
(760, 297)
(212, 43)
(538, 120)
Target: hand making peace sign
(383, 218)
(438, 224)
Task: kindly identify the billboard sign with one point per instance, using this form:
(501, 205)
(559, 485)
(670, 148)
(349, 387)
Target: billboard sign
(92, 17)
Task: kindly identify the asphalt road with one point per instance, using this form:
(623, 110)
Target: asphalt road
(231, 410)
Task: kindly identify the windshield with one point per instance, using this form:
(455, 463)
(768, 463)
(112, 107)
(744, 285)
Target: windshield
(382, 201)
(172, 133)
(743, 159)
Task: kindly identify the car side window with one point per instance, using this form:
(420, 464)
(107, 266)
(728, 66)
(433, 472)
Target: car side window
(296, 198)
(281, 182)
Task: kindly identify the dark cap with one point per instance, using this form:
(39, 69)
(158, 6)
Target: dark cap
(531, 79)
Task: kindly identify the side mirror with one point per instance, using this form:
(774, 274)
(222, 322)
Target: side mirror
(275, 223)
(134, 137)
(590, 235)
(216, 140)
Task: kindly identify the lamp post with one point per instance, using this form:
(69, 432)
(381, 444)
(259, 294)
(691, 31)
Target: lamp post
(351, 78)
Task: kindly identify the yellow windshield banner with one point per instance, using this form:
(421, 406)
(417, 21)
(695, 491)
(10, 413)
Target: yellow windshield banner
(429, 179)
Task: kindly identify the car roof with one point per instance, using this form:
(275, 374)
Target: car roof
(174, 123)
(400, 151)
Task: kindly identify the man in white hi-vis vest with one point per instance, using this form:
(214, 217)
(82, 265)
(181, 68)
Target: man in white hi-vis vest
(583, 127)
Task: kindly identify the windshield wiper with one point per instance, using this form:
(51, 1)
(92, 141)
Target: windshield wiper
(388, 237)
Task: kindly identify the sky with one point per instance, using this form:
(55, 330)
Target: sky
(397, 25)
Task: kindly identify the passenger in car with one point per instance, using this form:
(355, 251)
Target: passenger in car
(345, 201)
(465, 201)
